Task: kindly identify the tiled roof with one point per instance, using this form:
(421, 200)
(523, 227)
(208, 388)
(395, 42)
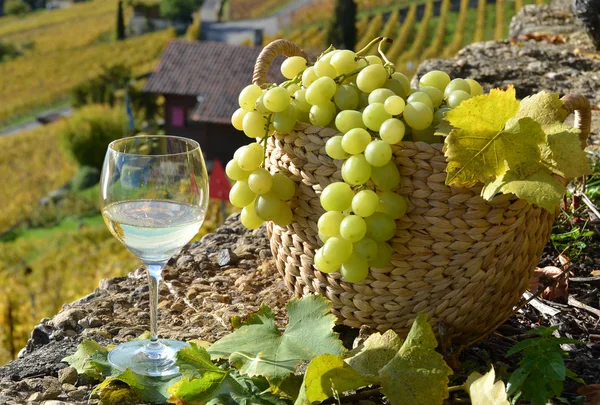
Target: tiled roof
(215, 71)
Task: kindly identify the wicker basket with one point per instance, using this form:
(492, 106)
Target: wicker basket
(460, 259)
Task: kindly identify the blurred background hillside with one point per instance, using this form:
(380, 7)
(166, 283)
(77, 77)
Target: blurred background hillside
(75, 75)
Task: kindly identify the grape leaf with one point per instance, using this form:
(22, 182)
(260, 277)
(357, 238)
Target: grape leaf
(329, 372)
(375, 353)
(545, 108)
(261, 349)
(417, 375)
(483, 390)
(150, 389)
(193, 361)
(540, 189)
(90, 359)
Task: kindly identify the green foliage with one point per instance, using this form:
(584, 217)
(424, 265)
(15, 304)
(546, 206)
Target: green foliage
(181, 10)
(542, 370)
(101, 89)
(259, 348)
(88, 132)
(8, 51)
(512, 147)
(86, 177)
(193, 31)
(342, 28)
(120, 34)
(16, 7)
(90, 360)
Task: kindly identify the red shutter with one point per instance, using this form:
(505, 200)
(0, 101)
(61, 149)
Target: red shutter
(177, 116)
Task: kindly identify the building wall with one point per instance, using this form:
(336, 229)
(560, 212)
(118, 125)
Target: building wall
(218, 141)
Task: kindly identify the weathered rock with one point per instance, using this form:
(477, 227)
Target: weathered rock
(68, 319)
(67, 375)
(227, 257)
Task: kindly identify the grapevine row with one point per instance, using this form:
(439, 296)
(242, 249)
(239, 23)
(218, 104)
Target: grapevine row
(405, 30)
(372, 30)
(499, 26)
(437, 44)
(459, 33)
(413, 54)
(480, 23)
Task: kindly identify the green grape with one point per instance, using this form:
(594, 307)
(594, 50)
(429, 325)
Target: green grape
(260, 181)
(336, 197)
(394, 105)
(418, 115)
(355, 141)
(235, 172)
(337, 250)
(323, 238)
(334, 149)
(248, 96)
(249, 157)
(353, 228)
(378, 153)
(365, 203)
(457, 84)
(324, 69)
(392, 131)
(363, 100)
(292, 89)
(329, 223)
(260, 105)
(457, 97)
(303, 116)
(380, 95)
(386, 177)
(426, 135)
(401, 77)
(249, 218)
(366, 248)
(321, 91)
(372, 77)
(346, 97)
(380, 227)
(355, 269)
(285, 121)
(267, 206)
(323, 265)
(374, 60)
(301, 103)
(356, 170)
(283, 187)
(276, 99)
(439, 115)
(420, 97)
(434, 94)
(344, 61)
(361, 62)
(374, 115)
(292, 66)
(476, 89)
(435, 78)
(309, 76)
(322, 114)
(396, 86)
(284, 216)
(349, 119)
(254, 124)
(383, 257)
(237, 119)
(240, 194)
(327, 57)
(392, 204)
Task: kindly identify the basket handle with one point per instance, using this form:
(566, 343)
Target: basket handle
(269, 53)
(578, 104)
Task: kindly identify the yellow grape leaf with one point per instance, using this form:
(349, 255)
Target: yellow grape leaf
(487, 113)
(540, 189)
(545, 108)
(376, 352)
(483, 390)
(485, 155)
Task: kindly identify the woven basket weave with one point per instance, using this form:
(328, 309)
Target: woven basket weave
(460, 259)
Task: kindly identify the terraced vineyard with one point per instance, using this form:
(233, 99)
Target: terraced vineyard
(420, 29)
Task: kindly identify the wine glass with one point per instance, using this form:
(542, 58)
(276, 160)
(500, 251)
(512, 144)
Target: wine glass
(154, 195)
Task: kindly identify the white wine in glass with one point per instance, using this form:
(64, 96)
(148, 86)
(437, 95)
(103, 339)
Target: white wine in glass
(154, 195)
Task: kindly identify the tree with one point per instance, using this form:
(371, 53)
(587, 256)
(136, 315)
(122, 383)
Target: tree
(181, 10)
(342, 29)
(1, 8)
(16, 7)
(120, 22)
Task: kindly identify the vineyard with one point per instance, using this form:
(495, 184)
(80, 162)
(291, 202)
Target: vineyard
(420, 29)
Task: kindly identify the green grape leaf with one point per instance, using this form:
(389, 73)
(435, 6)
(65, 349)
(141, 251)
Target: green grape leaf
(329, 372)
(150, 389)
(91, 360)
(193, 361)
(288, 387)
(545, 108)
(417, 375)
(375, 353)
(540, 189)
(443, 128)
(484, 391)
(563, 154)
(261, 349)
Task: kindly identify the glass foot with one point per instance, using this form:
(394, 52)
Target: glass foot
(146, 357)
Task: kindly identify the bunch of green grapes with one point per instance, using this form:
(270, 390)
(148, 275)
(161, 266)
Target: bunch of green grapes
(374, 108)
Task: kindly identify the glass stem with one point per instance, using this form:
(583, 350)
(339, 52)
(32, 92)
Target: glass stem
(154, 271)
